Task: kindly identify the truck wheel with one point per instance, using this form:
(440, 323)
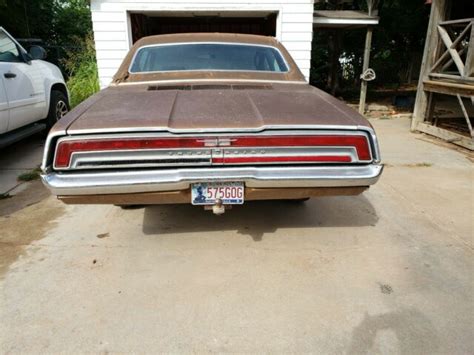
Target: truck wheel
(58, 107)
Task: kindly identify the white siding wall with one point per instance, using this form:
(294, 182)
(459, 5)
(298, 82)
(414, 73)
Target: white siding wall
(112, 37)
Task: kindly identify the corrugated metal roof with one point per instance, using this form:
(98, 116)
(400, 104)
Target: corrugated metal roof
(343, 19)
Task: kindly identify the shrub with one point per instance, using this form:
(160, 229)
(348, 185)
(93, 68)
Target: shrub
(82, 68)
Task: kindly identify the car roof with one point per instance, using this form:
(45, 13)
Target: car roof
(206, 37)
(123, 74)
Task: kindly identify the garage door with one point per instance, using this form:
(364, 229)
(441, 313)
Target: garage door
(153, 24)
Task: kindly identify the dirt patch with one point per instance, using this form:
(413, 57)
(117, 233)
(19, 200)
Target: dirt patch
(21, 228)
(35, 192)
(103, 235)
(386, 289)
(415, 165)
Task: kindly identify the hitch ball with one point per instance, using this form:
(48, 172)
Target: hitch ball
(218, 208)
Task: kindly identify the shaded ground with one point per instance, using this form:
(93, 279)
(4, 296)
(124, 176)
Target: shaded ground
(388, 271)
(19, 158)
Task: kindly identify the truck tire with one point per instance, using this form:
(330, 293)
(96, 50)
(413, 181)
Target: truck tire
(58, 107)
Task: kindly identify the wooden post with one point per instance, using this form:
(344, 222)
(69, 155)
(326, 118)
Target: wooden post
(335, 48)
(365, 66)
(372, 6)
(438, 13)
(469, 67)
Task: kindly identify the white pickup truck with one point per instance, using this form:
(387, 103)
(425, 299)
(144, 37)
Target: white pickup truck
(33, 94)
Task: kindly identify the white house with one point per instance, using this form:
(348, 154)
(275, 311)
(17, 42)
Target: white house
(119, 23)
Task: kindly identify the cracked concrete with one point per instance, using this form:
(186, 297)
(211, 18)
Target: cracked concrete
(390, 271)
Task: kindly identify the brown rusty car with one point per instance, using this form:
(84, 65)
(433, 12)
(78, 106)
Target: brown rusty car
(213, 120)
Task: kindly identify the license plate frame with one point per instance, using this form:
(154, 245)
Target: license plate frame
(230, 193)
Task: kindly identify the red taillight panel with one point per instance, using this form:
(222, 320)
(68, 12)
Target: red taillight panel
(65, 149)
(288, 159)
(360, 143)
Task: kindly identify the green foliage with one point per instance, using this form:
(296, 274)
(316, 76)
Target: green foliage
(399, 39)
(30, 175)
(65, 27)
(56, 22)
(27, 19)
(397, 44)
(82, 67)
(72, 19)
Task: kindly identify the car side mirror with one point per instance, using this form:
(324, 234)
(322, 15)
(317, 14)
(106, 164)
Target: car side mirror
(37, 52)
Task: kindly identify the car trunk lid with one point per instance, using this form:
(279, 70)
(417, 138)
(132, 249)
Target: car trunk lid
(217, 108)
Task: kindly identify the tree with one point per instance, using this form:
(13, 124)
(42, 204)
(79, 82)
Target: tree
(397, 44)
(56, 22)
(72, 19)
(26, 19)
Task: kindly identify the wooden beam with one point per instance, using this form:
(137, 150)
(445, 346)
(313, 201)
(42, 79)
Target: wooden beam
(453, 52)
(452, 78)
(431, 108)
(365, 66)
(456, 22)
(454, 46)
(461, 35)
(446, 88)
(450, 61)
(466, 116)
(438, 13)
(446, 135)
(372, 6)
(469, 66)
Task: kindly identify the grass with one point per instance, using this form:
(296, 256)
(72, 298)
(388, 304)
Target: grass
(30, 175)
(82, 66)
(421, 165)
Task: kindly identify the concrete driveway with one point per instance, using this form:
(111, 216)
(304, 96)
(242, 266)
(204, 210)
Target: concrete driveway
(390, 271)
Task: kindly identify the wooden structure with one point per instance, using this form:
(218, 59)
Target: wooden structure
(348, 19)
(447, 69)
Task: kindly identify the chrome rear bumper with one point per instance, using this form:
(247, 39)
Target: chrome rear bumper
(121, 182)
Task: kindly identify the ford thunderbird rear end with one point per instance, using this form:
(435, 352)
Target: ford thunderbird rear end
(209, 138)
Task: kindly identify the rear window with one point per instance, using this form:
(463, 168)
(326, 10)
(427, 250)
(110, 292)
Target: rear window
(208, 57)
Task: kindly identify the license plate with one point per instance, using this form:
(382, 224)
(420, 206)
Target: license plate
(207, 193)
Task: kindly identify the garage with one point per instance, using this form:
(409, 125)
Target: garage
(118, 24)
(256, 23)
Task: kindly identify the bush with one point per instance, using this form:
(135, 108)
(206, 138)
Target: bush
(81, 66)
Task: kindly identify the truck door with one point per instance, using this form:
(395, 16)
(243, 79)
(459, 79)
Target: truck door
(4, 113)
(22, 84)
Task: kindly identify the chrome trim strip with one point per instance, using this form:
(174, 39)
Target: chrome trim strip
(180, 81)
(48, 148)
(270, 129)
(139, 158)
(179, 179)
(188, 157)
